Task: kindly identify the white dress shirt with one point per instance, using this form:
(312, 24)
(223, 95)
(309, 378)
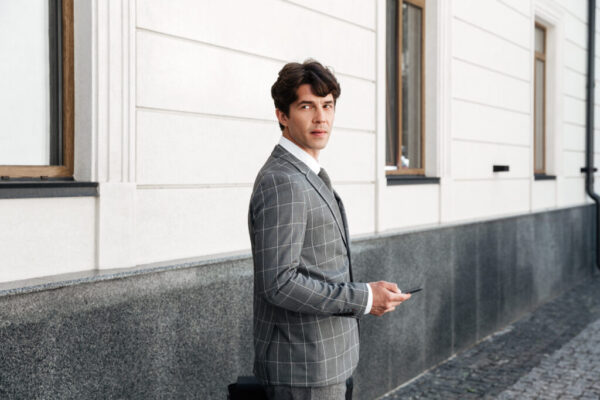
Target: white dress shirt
(313, 164)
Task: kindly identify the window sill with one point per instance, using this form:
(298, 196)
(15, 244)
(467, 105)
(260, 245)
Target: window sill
(411, 180)
(543, 177)
(35, 188)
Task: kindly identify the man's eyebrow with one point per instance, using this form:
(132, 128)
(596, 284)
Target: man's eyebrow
(312, 102)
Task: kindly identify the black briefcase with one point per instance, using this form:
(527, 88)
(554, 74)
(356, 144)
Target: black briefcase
(249, 388)
(246, 388)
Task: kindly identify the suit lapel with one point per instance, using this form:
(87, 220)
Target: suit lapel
(319, 186)
(329, 198)
(345, 221)
(342, 212)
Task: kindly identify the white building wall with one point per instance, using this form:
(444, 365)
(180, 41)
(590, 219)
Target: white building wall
(491, 84)
(490, 47)
(42, 237)
(176, 118)
(206, 120)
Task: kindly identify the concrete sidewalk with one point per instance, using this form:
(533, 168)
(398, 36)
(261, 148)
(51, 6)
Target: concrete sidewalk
(551, 353)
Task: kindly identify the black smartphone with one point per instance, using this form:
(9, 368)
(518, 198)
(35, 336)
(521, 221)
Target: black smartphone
(413, 290)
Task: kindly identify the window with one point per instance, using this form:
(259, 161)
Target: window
(36, 76)
(405, 65)
(539, 131)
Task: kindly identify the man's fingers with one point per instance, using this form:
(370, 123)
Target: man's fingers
(386, 297)
(399, 297)
(391, 286)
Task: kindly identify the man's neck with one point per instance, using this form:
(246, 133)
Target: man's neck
(314, 153)
(300, 154)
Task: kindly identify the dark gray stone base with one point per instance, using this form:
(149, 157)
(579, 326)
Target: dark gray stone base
(186, 331)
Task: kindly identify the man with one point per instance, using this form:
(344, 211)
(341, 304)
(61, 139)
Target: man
(306, 305)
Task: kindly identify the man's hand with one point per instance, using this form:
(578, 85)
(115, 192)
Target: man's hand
(386, 296)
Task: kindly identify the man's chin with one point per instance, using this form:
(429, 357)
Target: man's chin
(320, 137)
(320, 144)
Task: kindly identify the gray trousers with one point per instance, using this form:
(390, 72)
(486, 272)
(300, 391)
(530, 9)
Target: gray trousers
(333, 392)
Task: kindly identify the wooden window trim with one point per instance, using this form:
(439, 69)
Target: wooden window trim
(400, 170)
(542, 57)
(68, 121)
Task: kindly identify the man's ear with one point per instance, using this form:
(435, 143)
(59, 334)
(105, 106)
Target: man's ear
(281, 117)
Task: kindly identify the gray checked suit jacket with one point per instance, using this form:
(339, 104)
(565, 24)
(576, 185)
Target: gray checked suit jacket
(306, 306)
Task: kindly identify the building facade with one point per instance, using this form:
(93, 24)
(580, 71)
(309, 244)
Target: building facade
(458, 144)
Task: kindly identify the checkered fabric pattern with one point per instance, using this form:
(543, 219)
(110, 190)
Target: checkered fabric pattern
(306, 306)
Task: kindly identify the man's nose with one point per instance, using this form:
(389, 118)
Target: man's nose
(319, 114)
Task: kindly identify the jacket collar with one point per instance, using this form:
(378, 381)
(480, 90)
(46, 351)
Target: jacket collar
(300, 154)
(317, 183)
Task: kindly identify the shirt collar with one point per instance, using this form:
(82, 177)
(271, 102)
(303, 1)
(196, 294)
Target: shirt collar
(300, 154)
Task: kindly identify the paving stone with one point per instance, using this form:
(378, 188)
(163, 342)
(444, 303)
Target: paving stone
(551, 353)
(580, 364)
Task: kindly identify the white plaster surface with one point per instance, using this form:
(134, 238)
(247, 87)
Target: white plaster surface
(181, 223)
(543, 193)
(265, 28)
(42, 237)
(401, 202)
(486, 198)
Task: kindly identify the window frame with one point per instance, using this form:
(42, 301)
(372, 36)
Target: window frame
(399, 170)
(66, 107)
(542, 57)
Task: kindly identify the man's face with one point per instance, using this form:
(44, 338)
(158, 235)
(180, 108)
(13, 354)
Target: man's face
(310, 120)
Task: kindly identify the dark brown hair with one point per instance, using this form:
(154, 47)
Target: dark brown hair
(292, 75)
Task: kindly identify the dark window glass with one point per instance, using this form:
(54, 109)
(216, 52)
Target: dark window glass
(411, 86)
(404, 88)
(540, 101)
(391, 145)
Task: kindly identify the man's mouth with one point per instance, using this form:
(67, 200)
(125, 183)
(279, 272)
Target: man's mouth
(318, 132)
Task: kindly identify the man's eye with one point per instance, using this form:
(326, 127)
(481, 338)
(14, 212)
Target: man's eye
(305, 107)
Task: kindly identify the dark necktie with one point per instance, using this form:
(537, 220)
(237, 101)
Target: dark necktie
(325, 178)
(337, 209)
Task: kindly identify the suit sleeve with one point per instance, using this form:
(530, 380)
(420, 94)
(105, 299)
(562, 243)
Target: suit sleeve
(278, 215)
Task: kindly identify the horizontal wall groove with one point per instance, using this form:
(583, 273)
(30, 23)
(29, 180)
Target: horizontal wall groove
(490, 105)
(331, 16)
(152, 186)
(145, 186)
(495, 178)
(577, 124)
(492, 33)
(205, 115)
(576, 71)
(238, 51)
(574, 97)
(236, 118)
(571, 13)
(582, 71)
(459, 139)
(574, 43)
(348, 183)
(514, 9)
(497, 71)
